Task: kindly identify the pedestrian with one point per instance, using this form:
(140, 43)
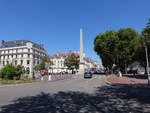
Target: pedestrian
(120, 74)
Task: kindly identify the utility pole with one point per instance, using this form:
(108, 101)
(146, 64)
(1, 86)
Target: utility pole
(146, 55)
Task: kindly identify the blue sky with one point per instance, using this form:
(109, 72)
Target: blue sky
(56, 23)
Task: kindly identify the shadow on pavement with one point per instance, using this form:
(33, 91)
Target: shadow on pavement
(137, 76)
(107, 99)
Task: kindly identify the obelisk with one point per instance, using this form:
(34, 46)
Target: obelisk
(81, 64)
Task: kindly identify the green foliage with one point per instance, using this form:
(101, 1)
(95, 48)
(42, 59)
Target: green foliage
(72, 62)
(22, 81)
(145, 38)
(25, 78)
(146, 30)
(44, 64)
(140, 55)
(19, 70)
(11, 72)
(46, 59)
(129, 43)
(40, 67)
(117, 47)
(105, 46)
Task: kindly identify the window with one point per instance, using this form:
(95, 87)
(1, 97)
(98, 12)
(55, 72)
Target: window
(15, 62)
(28, 61)
(21, 62)
(28, 55)
(62, 63)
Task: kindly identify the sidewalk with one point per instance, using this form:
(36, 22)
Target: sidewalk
(114, 79)
(58, 77)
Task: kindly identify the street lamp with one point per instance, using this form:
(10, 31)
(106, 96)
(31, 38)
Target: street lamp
(146, 54)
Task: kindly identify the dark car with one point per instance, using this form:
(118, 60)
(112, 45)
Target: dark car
(87, 75)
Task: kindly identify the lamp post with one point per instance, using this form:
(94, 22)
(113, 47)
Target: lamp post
(146, 55)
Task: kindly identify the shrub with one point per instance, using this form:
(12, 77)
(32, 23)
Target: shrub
(19, 70)
(25, 78)
(8, 72)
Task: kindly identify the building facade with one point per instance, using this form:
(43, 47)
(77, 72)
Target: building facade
(58, 62)
(59, 58)
(21, 52)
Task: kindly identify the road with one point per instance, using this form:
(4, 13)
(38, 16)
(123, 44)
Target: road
(75, 95)
(77, 83)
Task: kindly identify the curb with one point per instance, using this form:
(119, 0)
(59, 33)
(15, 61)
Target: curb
(107, 82)
(11, 85)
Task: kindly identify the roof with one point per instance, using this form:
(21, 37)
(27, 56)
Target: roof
(63, 54)
(57, 55)
(16, 43)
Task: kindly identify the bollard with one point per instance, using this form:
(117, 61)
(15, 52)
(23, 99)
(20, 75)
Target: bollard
(49, 77)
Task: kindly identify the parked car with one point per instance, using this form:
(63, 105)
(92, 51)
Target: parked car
(132, 71)
(99, 72)
(87, 75)
(63, 73)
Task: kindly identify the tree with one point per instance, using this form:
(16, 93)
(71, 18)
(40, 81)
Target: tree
(129, 43)
(40, 66)
(72, 62)
(117, 48)
(147, 29)
(44, 64)
(47, 61)
(20, 70)
(145, 38)
(105, 45)
(140, 55)
(8, 72)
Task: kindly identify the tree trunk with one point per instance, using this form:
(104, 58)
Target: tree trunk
(145, 69)
(125, 69)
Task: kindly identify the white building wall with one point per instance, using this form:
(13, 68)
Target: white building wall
(18, 54)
